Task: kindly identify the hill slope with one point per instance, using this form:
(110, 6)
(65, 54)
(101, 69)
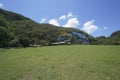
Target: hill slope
(113, 39)
(17, 30)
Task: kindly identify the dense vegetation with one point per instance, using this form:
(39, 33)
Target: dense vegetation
(19, 31)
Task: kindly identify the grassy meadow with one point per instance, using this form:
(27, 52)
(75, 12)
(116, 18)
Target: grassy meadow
(74, 62)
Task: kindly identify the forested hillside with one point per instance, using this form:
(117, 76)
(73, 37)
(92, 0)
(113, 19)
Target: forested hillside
(19, 31)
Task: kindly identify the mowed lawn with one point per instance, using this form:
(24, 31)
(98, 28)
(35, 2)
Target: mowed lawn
(74, 62)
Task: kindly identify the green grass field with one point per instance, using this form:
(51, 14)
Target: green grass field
(72, 62)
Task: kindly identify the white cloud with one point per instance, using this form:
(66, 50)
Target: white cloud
(54, 22)
(105, 27)
(72, 22)
(70, 14)
(89, 27)
(43, 20)
(1, 5)
(62, 17)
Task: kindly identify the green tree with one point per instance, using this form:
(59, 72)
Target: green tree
(5, 37)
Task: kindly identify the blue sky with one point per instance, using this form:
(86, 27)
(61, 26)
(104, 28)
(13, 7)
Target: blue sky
(96, 17)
